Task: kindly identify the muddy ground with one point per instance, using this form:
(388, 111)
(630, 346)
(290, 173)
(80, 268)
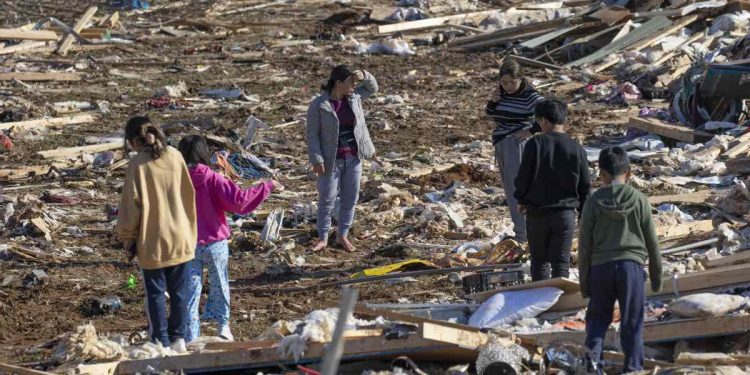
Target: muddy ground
(442, 109)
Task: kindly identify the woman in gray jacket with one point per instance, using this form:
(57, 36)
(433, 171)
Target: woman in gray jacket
(337, 141)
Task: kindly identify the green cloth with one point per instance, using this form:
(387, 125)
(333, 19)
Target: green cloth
(616, 224)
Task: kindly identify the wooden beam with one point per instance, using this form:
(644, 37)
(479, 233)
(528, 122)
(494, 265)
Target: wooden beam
(697, 197)
(50, 122)
(430, 22)
(25, 46)
(460, 336)
(729, 260)
(35, 76)
(552, 35)
(87, 16)
(741, 148)
(39, 35)
(677, 132)
(683, 229)
(62, 153)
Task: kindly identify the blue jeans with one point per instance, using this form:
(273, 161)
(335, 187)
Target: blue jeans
(172, 280)
(344, 183)
(620, 281)
(215, 257)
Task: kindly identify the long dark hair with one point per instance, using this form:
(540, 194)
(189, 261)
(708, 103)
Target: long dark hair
(194, 149)
(141, 132)
(339, 73)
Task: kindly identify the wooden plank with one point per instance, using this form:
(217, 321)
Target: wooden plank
(361, 348)
(697, 197)
(61, 153)
(729, 260)
(39, 35)
(677, 132)
(21, 47)
(429, 22)
(677, 51)
(17, 370)
(567, 285)
(22, 173)
(87, 16)
(711, 359)
(35, 76)
(459, 336)
(660, 332)
(50, 122)
(683, 229)
(534, 63)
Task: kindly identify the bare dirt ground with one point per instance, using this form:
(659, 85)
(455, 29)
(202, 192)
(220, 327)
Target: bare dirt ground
(443, 109)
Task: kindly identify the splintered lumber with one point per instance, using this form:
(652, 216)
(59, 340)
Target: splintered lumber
(683, 229)
(23, 172)
(711, 359)
(566, 285)
(653, 25)
(49, 122)
(697, 197)
(430, 22)
(39, 35)
(433, 340)
(62, 153)
(667, 56)
(677, 132)
(34, 76)
(79, 25)
(729, 260)
(25, 46)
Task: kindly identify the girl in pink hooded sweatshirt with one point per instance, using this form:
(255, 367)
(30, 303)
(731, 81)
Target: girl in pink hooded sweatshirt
(214, 196)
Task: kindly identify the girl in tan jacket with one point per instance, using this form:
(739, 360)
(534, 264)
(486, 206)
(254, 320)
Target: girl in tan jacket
(158, 224)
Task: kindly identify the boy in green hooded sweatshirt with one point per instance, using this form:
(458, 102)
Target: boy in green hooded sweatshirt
(617, 236)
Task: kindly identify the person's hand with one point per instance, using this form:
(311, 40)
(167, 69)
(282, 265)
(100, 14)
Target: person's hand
(359, 75)
(130, 248)
(319, 169)
(522, 209)
(277, 186)
(522, 135)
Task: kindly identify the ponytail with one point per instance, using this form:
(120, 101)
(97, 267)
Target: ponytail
(141, 132)
(328, 86)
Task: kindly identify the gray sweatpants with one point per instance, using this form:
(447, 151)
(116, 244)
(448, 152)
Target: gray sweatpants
(343, 182)
(508, 154)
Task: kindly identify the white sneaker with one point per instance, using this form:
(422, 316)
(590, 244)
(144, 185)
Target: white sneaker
(179, 346)
(225, 333)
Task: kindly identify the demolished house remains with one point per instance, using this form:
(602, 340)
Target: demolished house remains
(437, 283)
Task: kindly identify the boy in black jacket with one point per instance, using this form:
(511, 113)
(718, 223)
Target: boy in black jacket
(553, 181)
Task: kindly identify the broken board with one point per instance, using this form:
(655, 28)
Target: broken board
(729, 260)
(683, 229)
(49, 122)
(36, 76)
(38, 35)
(677, 132)
(80, 24)
(566, 285)
(698, 197)
(61, 153)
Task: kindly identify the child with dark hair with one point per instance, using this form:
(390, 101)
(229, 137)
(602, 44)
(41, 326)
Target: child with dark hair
(157, 223)
(511, 107)
(553, 181)
(214, 196)
(617, 236)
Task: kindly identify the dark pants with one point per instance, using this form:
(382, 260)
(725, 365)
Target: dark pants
(173, 280)
(550, 236)
(621, 281)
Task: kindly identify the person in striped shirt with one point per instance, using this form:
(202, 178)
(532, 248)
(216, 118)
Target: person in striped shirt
(511, 107)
